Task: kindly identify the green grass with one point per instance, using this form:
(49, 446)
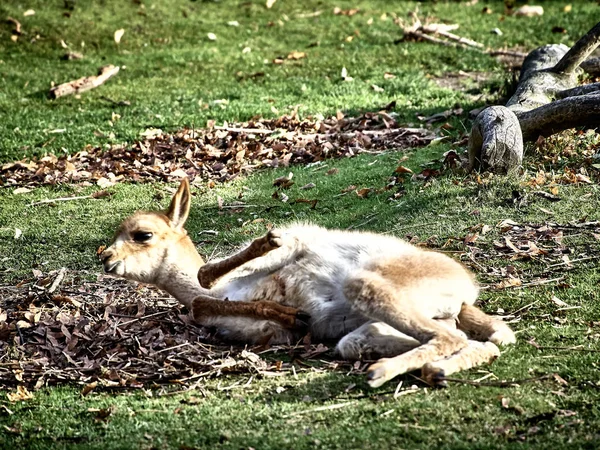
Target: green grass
(172, 72)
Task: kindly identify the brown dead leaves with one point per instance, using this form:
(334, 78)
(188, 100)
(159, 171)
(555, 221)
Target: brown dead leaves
(218, 153)
(112, 333)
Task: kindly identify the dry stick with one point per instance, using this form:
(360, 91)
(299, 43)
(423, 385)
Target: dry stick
(435, 40)
(499, 383)
(85, 83)
(246, 130)
(16, 23)
(579, 52)
(320, 408)
(57, 280)
(454, 37)
(506, 53)
(553, 347)
(587, 258)
(144, 317)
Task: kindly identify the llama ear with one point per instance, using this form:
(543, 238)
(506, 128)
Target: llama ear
(180, 205)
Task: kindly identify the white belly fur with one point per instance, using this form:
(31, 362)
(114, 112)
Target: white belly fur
(309, 271)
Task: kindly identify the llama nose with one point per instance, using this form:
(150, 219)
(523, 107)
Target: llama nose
(105, 254)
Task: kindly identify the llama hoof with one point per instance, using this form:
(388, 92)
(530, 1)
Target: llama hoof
(503, 336)
(377, 375)
(434, 376)
(302, 319)
(205, 278)
(274, 239)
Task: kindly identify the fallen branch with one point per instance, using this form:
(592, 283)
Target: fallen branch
(545, 102)
(84, 84)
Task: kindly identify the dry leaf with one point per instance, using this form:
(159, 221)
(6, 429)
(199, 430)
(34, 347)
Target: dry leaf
(21, 190)
(364, 192)
(89, 388)
(296, 55)
(284, 182)
(402, 169)
(29, 12)
(471, 238)
(119, 34)
(583, 178)
(270, 3)
(21, 394)
(104, 183)
(211, 36)
(529, 11)
(510, 245)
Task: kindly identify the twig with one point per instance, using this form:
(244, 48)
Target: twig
(577, 348)
(525, 307)
(60, 199)
(185, 344)
(16, 23)
(321, 408)
(85, 83)
(57, 280)
(144, 317)
(370, 219)
(452, 36)
(506, 53)
(501, 383)
(587, 258)
(246, 130)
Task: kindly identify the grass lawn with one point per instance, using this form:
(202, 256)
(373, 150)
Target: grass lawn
(173, 76)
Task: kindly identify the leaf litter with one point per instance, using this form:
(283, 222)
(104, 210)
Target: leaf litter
(114, 334)
(219, 153)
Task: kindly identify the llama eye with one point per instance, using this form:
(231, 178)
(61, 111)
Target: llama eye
(142, 236)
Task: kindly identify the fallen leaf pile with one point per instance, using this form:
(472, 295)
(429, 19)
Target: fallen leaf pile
(556, 248)
(219, 153)
(115, 334)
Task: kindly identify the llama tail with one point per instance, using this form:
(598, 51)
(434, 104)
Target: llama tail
(478, 325)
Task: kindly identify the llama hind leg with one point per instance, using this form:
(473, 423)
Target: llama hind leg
(478, 325)
(474, 354)
(379, 299)
(374, 339)
(378, 339)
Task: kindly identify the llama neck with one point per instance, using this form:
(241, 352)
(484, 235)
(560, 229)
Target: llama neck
(180, 280)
